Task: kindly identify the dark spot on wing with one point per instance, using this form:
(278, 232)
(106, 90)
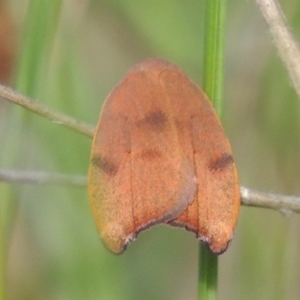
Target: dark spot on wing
(156, 120)
(150, 154)
(221, 162)
(105, 165)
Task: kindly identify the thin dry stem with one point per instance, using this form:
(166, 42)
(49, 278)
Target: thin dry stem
(36, 177)
(44, 111)
(249, 197)
(269, 200)
(283, 38)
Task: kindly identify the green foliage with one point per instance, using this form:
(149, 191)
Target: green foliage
(70, 57)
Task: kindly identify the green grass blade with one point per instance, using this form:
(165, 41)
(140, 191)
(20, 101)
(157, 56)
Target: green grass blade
(41, 22)
(214, 44)
(213, 86)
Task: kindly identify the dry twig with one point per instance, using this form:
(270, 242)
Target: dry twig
(248, 197)
(283, 39)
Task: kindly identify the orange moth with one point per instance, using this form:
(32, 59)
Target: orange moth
(160, 155)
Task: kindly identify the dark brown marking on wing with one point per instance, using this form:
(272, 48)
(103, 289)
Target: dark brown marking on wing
(105, 165)
(150, 154)
(156, 120)
(221, 162)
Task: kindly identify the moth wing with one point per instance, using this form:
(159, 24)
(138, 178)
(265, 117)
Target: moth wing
(214, 211)
(139, 175)
(109, 179)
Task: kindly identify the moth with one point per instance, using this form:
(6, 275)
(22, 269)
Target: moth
(160, 155)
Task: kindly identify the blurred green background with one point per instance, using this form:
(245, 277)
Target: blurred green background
(69, 55)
